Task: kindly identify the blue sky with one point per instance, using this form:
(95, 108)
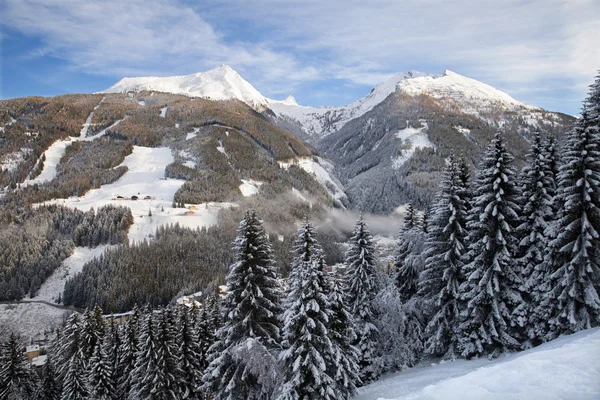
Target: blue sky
(543, 53)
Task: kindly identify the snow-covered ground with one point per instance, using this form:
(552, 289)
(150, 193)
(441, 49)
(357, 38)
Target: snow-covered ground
(192, 134)
(566, 368)
(319, 171)
(221, 83)
(53, 156)
(250, 187)
(57, 149)
(30, 320)
(145, 179)
(55, 284)
(417, 137)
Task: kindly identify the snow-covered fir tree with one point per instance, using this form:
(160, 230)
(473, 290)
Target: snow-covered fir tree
(74, 383)
(15, 379)
(128, 352)
(101, 382)
(409, 259)
(572, 302)
(156, 367)
(536, 212)
(309, 356)
(362, 283)
(190, 353)
(243, 360)
(397, 347)
(441, 278)
(342, 334)
(68, 346)
(92, 331)
(49, 387)
(490, 291)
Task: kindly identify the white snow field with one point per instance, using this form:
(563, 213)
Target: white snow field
(145, 180)
(417, 138)
(55, 283)
(57, 149)
(221, 83)
(567, 368)
(250, 187)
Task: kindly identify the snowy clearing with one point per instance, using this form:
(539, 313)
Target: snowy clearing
(53, 156)
(464, 131)
(192, 134)
(412, 138)
(31, 320)
(55, 284)
(566, 368)
(145, 180)
(249, 187)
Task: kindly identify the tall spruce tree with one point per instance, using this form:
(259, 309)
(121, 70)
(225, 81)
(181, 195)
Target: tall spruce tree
(342, 334)
(440, 280)
(308, 358)
(490, 291)
(101, 382)
(190, 353)
(572, 302)
(243, 360)
(75, 380)
(147, 377)
(409, 259)
(128, 353)
(15, 379)
(362, 282)
(536, 213)
(49, 388)
(68, 346)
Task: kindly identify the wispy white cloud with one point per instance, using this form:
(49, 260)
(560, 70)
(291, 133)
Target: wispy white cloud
(515, 45)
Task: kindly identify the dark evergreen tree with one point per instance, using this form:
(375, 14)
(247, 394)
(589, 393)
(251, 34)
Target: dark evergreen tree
(362, 282)
(68, 346)
(409, 259)
(242, 361)
(572, 302)
(74, 385)
(440, 280)
(49, 388)
(490, 291)
(308, 358)
(15, 380)
(191, 357)
(128, 353)
(342, 334)
(101, 382)
(536, 213)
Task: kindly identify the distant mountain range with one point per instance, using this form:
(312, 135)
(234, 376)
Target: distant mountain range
(388, 147)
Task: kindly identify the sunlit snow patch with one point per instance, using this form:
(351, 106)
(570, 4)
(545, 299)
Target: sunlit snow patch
(250, 187)
(413, 138)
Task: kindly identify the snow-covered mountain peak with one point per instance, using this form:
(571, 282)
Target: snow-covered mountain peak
(221, 83)
(469, 94)
(290, 100)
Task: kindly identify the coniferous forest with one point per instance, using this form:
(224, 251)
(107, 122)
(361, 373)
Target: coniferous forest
(504, 260)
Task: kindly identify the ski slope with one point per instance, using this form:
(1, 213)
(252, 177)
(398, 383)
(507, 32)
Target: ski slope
(566, 368)
(145, 180)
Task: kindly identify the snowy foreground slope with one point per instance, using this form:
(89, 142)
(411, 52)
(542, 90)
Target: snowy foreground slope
(566, 368)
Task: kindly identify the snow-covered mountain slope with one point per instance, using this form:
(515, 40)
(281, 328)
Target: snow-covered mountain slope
(221, 83)
(321, 121)
(451, 89)
(566, 368)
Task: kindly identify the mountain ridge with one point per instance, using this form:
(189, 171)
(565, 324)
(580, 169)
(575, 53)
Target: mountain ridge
(224, 83)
